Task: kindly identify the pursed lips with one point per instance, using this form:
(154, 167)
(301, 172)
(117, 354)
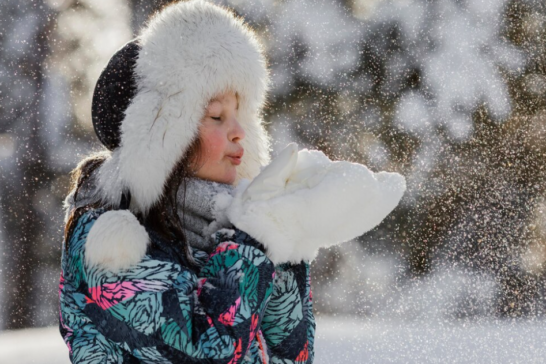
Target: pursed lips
(236, 157)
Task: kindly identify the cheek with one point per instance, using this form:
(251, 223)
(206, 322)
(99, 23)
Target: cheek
(214, 143)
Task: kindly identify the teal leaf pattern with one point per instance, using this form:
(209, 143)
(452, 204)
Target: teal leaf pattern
(284, 311)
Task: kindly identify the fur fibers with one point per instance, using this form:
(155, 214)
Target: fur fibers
(116, 241)
(191, 51)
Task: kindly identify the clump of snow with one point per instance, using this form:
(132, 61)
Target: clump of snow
(324, 40)
(412, 115)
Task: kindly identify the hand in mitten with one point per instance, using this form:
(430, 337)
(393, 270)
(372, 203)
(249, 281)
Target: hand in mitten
(303, 201)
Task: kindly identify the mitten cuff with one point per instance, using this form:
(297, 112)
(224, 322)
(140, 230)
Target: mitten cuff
(262, 221)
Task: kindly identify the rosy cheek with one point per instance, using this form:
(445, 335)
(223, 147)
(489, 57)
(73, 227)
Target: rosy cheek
(215, 144)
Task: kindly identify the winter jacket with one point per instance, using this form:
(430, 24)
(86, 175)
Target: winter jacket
(236, 307)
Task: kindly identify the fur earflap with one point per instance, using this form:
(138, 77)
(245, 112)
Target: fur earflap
(190, 52)
(116, 241)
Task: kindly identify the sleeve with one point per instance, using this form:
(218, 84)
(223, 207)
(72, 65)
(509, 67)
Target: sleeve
(159, 310)
(288, 325)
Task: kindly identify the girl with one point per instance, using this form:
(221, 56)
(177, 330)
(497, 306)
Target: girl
(163, 259)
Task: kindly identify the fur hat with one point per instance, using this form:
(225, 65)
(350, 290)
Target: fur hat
(150, 98)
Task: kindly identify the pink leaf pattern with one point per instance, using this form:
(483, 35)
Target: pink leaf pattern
(253, 327)
(238, 352)
(228, 316)
(225, 246)
(111, 294)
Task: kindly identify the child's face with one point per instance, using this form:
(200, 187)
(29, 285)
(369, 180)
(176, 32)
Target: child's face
(220, 134)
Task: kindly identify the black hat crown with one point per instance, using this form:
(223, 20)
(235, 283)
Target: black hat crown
(113, 93)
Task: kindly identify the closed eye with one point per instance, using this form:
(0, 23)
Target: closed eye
(215, 118)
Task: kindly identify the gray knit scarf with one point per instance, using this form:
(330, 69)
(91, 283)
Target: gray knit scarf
(202, 210)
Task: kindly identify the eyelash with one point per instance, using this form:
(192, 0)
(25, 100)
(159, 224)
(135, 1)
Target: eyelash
(215, 118)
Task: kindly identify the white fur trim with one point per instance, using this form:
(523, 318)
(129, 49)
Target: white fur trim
(116, 241)
(322, 203)
(191, 51)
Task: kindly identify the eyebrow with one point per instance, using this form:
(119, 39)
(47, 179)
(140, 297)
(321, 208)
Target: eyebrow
(216, 99)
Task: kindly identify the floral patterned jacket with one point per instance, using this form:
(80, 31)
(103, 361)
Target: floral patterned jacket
(236, 308)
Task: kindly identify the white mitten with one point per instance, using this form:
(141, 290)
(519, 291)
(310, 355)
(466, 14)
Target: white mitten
(303, 201)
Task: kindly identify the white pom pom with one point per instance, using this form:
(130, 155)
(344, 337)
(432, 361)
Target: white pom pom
(116, 241)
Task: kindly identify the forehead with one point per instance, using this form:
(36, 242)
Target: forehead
(223, 98)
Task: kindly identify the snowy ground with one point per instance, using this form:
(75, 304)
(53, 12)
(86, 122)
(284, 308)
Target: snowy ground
(356, 341)
(349, 340)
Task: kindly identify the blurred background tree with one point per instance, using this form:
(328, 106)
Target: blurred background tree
(450, 93)
(25, 30)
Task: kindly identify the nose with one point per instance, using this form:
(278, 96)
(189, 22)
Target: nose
(237, 132)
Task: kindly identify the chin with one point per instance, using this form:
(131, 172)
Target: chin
(227, 179)
(230, 180)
